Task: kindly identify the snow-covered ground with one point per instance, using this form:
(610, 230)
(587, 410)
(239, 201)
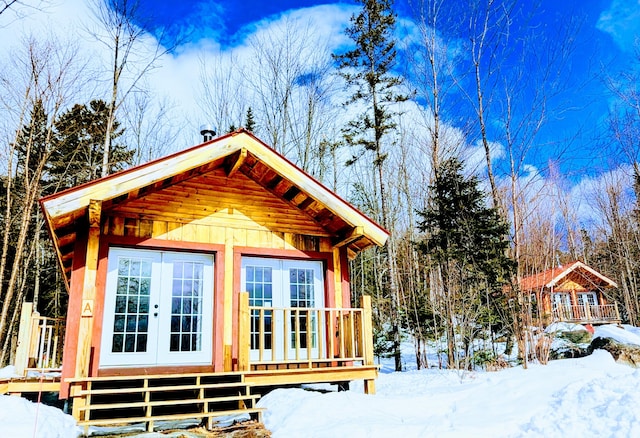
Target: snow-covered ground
(587, 397)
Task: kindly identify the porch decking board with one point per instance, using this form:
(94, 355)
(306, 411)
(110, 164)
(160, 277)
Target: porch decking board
(21, 385)
(275, 377)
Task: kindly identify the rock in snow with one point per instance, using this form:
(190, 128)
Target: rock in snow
(622, 343)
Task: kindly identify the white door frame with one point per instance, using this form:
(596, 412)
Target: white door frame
(281, 297)
(157, 311)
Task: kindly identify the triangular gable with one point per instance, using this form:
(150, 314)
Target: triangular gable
(552, 277)
(239, 151)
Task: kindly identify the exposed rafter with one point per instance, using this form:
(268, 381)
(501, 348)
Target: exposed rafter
(235, 161)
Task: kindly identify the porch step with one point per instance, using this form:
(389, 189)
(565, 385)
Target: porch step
(113, 401)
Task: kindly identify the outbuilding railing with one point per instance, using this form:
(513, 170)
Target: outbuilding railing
(40, 341)
(586, 313)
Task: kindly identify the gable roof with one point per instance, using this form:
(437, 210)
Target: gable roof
(239, 151)
(552, 277)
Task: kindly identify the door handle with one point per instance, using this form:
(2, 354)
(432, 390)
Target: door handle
(155, 307)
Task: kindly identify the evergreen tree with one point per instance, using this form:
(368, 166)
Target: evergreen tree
(50, 156)
(250, 122)
(31, 142)
(367, 69)
(78, 148)
(466, 242)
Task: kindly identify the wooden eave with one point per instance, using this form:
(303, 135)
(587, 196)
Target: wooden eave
(67, 211)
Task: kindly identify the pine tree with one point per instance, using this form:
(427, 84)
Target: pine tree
(250, 123)
(78, 151)
(367, 69)
(465, 240)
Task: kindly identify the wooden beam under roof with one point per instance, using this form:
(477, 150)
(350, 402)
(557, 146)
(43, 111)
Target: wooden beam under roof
(356, 233)
(235, 161)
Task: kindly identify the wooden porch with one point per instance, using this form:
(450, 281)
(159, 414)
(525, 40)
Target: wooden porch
(276, 347)
(38, 355)
(586, 313)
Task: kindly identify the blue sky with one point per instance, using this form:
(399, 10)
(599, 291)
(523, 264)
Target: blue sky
(222, 20)
(603, 46)
(572, 138)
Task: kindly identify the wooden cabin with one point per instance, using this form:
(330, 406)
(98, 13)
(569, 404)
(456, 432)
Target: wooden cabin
(571, 293)
(219, 267)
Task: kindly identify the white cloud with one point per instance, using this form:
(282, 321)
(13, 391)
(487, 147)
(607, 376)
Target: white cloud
(622, 22)
(592, 195)
(474, 156)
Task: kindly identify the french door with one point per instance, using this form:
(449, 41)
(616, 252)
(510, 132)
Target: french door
(587, 299)
(562, 306)
(588, 305)
(158, 308)
(283, 288)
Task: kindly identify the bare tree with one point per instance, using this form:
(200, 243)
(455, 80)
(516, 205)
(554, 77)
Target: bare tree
(133, 55)
(288, 81)
(150, 129)
(221, 95)
(39, 82)
(618, 237)
(624, 117)
(19, 8)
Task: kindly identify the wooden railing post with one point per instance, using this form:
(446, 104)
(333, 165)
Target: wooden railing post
(244, 332)
(617, 312)
(587, 311)
(24, 339)
(367, 329)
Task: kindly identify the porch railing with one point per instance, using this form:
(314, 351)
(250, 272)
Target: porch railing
(306, 336)
(40, 341)
(586, 313)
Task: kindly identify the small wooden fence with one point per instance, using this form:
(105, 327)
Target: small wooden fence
(305, 337)
(40, 341)
(586, 313)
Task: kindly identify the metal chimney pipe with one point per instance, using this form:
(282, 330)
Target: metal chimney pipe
(207, 132)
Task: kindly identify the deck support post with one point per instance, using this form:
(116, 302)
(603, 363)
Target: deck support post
(85, 332)
(367, 335)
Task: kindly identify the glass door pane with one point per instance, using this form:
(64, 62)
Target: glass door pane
(129, 335)
(259, 284)
(302, 294)
(186, 309)
(261, 278)
(131, 313)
